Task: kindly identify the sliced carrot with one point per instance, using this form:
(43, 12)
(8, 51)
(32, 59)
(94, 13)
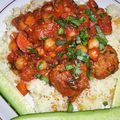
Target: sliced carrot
(22, 88)
(22, 41)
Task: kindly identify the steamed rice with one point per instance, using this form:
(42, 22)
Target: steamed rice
(45, 98)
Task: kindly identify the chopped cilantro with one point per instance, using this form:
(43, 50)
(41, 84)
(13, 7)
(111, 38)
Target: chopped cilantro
(60, 22)
(44, 38)
(68, 67)
(70, 107)
(61, 31)
(41, 77)
(40, 65)
(77, 70)
(32, 50)
(60, 42)
(60, 55)
(84, 34)
(102, 15)
(101, 38)
(75, 21)
(78, 40)
(91, 15)
(70, 53)
(105, 103)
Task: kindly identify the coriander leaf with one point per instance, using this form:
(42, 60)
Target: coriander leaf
(91, 15)
(84, 34)
(102, 15)
(88, 73)
(40, 65)
(60, 22)
(61, 31)
(77, 70)
(70, 107)
(41, 77)
(70, 53)
(68, 67)
(32, 50)
(44, 38)
(101, 37)
(105, 103)
(78, 40)
(78, 52)
(60, 55)
(60, 42)
(76, 21)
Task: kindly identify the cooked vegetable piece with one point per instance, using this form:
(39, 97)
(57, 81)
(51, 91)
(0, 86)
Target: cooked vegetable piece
(49, 44)
(93, 42)
(94, 54)
(23, 42)
(41, 65)
(20, 63)
(22, 87)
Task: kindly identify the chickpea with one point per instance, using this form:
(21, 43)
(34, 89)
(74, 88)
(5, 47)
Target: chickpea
(41, 51)
(49, 44)
(83, 48)
(93, 43)
(41, 65)
(20, 63)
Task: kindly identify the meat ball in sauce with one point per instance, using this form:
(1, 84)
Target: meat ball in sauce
(106, 65)
(64, 82)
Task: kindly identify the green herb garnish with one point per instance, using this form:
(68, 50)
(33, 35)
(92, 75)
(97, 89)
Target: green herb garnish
(32, 50)
(78, 40)
(101, 38)
(70, 53)
(60, 22)
(60, 42)
(77, 70)
(61, 31)
(91, 15)
(44, 38)
(105, 103)
(40, 65)
(41, 77)
(60, 55)
(76, 21)
(102, 15)
(69, 67)
(70, 107)
(84, 34)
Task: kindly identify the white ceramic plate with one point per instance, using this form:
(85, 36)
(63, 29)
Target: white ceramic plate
(6, 112)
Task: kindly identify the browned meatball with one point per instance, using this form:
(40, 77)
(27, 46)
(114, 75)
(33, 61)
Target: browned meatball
(106, 65)
(64, 82)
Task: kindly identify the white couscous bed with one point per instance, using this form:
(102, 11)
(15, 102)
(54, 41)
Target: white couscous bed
(45, 98)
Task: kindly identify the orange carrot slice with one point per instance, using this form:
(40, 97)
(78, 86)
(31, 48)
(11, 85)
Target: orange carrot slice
(22, 41)
(22, 88)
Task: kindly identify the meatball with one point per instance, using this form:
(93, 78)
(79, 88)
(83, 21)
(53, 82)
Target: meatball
(63, 81)
(106, 65)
